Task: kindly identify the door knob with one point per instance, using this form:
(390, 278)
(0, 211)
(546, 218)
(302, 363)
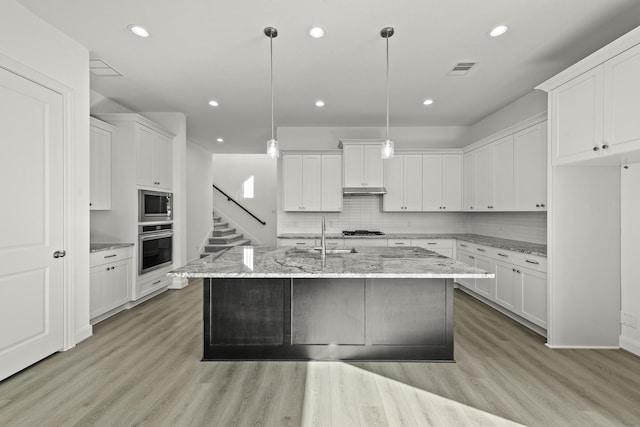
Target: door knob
(59, 254)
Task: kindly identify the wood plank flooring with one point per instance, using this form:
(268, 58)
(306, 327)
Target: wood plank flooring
(142, 367)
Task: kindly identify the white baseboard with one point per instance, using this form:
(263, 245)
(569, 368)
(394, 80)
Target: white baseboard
(179, 283)
(632, 346)
(84, 333)
(583, 347)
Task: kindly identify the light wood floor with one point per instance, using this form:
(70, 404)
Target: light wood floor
(142, 367)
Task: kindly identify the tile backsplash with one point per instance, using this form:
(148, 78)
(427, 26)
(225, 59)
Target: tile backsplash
(365, 213)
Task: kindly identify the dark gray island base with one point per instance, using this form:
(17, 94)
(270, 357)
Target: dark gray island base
(371, 303)
(328, 319)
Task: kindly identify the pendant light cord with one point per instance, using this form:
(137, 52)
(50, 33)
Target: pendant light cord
(271, 67)
(387, 38)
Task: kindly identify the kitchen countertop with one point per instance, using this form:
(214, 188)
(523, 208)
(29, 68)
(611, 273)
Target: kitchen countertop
(99, 247)
(368, 262)
(495, 242)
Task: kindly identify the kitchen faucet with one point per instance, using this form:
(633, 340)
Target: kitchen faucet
(324, 246)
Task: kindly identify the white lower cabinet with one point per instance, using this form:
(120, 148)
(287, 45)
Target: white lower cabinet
(520, 283)
(152, 282)
(300, 243)
(110, 281)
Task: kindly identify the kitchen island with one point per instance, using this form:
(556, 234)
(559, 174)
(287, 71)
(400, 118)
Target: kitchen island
(367, 303)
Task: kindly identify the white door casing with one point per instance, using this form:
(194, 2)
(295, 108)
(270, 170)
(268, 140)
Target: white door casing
(32, 294)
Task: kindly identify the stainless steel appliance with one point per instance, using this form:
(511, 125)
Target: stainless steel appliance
(154, 206)
(362, 233)
(155, 247)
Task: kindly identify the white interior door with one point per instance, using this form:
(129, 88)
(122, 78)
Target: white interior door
(31, 223)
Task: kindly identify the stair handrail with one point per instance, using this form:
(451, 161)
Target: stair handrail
(230, 199)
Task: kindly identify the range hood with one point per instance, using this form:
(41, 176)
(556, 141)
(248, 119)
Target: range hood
(363, 191)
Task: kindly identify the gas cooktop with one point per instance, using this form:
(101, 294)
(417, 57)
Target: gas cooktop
(362, 233)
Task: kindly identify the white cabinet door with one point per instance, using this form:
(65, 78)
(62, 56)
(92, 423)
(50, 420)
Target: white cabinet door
(100, 172)
(144, 156)
(292, 182)
(470, 182)
(412, 177)
(534, 296)
(432, 173)
(485, 287)
(484, 176)
(373, 169)
(394, 183)
(331, 182)
(468, 259)
(503, 174)
(451, 182)
(97, 289)
(311, 182)
(621, 95)
(353, 165)
(577, 125)
(506, 280)
(162, 161)
(531, 168)
(120, 281)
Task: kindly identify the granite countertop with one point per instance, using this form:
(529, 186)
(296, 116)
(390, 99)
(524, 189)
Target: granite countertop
(495, 242)
(368, 262)
(99, 247)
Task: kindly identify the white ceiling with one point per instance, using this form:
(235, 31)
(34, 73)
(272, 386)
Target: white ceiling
(205, 49)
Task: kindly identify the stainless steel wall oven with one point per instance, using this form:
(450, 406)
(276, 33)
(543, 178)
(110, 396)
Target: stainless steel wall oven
(155, 247)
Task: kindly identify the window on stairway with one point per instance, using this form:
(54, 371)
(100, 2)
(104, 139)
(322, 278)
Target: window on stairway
(247, 188)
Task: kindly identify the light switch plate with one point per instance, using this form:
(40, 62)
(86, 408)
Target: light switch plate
(629, 320)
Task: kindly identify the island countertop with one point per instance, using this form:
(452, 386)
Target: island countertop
(366, 262)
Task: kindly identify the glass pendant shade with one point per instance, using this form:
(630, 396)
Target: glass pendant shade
(273, 148)
(387, 149)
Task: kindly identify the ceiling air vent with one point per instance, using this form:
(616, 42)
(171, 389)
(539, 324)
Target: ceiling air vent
(461, 68)
(100, 68)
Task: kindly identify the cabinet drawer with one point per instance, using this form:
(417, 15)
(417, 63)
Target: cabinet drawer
(334, 243)
(152, 284)
(532, 262)
(398, 242)
(110, 256)
(304, 243)
(433, 243)
(465, 246)
(350, 243)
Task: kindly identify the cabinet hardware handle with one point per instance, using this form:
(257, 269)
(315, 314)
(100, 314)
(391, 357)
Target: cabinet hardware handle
(605, 146)
(156, 282)
(300, 243)
(444, 207)
(504, 255)
(90, 204)
(464, 246)
(542, 205)
(472, 257)
(596, 148)
(481, 250)
(470, 207)
(434, 243)
(399, 243)
(108, 268)
(518, 271)
(513, 269)
(532, 262)
(110, 256)
(538, 205)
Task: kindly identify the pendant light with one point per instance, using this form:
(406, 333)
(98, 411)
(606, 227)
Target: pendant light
(273, 147)
(387, 145)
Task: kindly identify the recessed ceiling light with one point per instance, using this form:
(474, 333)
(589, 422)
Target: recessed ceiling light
(220, 140)
(139, 31)
(428, 101)
(319, 103)
(316, 32)
(213, 103)
(498, 31)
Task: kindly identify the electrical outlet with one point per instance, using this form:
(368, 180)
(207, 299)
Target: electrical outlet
(629, 320)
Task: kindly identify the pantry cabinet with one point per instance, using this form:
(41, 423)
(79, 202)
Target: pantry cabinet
(100, 165)
(403, 182)
(363, 166)
(441, 182)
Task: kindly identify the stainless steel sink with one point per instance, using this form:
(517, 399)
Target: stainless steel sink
(319, 250)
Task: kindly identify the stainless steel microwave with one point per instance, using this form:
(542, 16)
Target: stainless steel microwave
(154, 206)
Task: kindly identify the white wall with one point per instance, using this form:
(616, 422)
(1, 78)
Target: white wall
(199, 198)
(630, 254)
(529, 105)
(322, 138)
(101, 104)
(229, 173)
(30, 41)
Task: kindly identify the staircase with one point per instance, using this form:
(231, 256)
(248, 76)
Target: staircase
(223, 237)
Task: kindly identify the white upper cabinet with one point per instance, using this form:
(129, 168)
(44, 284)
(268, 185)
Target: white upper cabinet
(531, 168)
(100, 165)
(442, 182)
(331, 182)
(403, 182)
(311, 182)
(485, 190)
(595, 113)
(363, 164)
(154, 158)
(470, 199)
(503, 175)
(621, 95)
(577, 128)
